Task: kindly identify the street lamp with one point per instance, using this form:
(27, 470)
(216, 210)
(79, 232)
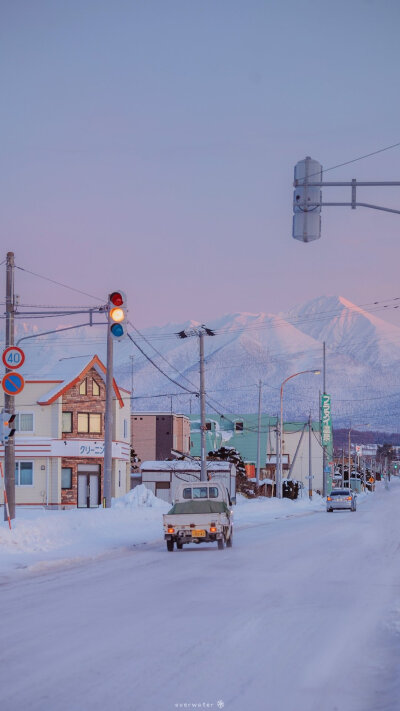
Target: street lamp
(279, 470)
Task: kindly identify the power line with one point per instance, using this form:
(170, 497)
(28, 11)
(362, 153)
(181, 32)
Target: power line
(354, 160)
(160, 369)
(58, 283)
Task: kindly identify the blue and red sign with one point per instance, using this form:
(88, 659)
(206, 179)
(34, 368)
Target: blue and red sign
(13, 383)
(13, 357)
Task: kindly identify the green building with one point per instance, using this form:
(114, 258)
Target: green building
(240, 432)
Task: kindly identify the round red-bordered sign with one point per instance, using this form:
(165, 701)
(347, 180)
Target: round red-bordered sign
(13, 383)
(13, 357)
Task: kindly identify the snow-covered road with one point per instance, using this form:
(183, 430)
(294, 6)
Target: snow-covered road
(302, 614)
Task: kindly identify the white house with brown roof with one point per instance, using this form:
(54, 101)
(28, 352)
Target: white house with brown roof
(59, 442)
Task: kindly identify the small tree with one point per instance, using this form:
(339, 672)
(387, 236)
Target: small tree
(229, 454)
(385, 450)
(134, 461)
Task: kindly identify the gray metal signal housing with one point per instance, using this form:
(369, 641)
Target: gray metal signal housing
(307, 200)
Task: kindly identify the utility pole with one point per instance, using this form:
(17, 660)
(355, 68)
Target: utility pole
(9, 400)
(277, 467)
(324, 457)
(386, 474)
(309, 458)
(349, 459)
(132, 360)
(201, 331)
(258, 436)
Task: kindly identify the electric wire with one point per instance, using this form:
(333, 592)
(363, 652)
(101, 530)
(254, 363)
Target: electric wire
(355, 160)
(58, 283)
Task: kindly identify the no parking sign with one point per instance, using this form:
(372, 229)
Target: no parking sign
(13, 383)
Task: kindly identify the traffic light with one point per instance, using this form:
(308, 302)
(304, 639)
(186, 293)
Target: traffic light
(307, 200)
(117, 314)
(6, 428)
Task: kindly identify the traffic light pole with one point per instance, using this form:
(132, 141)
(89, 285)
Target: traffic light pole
(108, 420)
(9, 400)
(203, 470)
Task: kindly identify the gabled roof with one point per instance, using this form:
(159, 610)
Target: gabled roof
(69, 371)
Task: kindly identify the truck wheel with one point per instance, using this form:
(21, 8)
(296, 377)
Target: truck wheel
(179, 545)
(220, 544)
(170, 545)
(229, 541)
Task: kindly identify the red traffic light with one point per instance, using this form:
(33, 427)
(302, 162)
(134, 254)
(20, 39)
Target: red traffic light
(117, 298)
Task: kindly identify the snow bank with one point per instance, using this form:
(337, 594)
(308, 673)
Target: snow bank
(41, 535)
(139, 497)
(42, 538)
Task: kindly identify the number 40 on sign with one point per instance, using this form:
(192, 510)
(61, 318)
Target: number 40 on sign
(13, 357)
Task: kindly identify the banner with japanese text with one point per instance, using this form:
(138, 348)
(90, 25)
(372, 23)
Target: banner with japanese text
(326, 425)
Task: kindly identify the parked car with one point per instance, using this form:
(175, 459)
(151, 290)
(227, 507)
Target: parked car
(341, 499)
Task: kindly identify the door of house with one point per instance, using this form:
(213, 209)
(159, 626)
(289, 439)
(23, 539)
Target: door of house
(163, 490)
(88, 486)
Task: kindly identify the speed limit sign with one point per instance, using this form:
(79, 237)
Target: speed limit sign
(13, 357)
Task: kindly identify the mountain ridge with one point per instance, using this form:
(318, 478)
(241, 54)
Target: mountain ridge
(363, 352)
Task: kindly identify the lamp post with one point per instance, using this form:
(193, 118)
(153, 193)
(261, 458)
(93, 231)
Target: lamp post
(280, 468)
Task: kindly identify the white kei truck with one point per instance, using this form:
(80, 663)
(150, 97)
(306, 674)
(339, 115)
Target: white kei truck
(201, 514)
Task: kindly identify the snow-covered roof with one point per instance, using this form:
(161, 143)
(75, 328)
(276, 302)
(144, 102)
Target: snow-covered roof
(184, 466)
(68, 371)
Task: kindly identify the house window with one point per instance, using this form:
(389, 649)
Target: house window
(125, 429)
(66, 425)
(95, 388)
(23, 473)
(66, 478)
(89, 422)
(23, 422)
(83, 388)
(239, 426)
(95, 423)
(83, 422)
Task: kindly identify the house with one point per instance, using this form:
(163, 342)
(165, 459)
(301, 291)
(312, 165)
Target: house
(241, 432)
(162, 478)
(155, 435)
(59, 442)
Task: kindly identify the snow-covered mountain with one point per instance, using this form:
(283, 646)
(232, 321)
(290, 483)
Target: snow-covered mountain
(363, 358)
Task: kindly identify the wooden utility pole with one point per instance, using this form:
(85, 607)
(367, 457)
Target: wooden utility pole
(258, 436)
(9, 400)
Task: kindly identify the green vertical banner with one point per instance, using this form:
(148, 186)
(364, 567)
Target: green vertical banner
(326, 425)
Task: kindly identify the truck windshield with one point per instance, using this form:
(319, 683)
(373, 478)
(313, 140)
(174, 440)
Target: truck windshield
(201, 492)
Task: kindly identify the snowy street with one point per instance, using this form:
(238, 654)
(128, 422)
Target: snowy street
(302, 614)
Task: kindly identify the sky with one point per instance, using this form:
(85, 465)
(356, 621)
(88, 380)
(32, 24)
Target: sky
(149, 146)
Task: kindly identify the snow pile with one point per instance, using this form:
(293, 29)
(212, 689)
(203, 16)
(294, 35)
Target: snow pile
(68, 536)
(263, 509)
(140, 497)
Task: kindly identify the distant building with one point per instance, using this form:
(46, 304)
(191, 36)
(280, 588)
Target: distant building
(59, 442)
(155, 435)
(240, 432)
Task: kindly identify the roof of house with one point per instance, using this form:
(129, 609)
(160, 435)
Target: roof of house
(184, 465)
(68, 372)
